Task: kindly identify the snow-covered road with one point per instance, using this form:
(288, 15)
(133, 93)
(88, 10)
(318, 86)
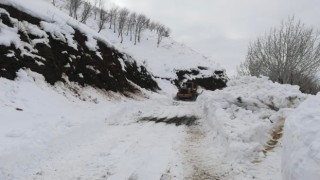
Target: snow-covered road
(56, 135)
(98, 151)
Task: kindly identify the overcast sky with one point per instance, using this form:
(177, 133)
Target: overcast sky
(222, 29)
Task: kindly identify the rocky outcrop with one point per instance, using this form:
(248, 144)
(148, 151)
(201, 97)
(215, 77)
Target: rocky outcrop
(66, 55)
(204, 77)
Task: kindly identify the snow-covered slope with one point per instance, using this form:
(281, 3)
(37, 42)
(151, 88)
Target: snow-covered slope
(31, 35)
(63, 50)
(301, 153)
(162, 61)
(172, 60)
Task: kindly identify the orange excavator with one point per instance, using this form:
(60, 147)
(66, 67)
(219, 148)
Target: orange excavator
(188, 91)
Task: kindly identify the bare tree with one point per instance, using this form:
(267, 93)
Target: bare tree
(123, 16)
(77, 4)
(113, 16)
(289, 55)
(70, 6)
(103, 18)
(95, 9)
(74, 6)
(86, 13)
(162, 31)
(167, 32)
(141, 24)
(130, 24)
(54, 2)
(101, 4)
(153, 26)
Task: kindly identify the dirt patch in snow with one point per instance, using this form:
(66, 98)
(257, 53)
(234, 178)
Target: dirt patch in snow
(276, 135)
(183, 120)
(201, 167)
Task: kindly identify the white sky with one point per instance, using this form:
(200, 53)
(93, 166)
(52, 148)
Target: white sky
(223, 29)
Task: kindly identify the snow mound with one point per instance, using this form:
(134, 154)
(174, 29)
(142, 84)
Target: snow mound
(301, 152)
(242, 118)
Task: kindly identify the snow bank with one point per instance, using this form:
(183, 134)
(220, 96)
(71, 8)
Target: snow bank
(301, 152)
(242, 117)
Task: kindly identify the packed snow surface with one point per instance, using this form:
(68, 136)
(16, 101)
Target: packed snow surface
(301, 153)
(50, 133)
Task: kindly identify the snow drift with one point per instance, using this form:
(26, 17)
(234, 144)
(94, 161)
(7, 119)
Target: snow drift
(301, 152)
(242, 119)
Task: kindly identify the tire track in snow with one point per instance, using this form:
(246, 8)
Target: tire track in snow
(198, 162)
(276, 135)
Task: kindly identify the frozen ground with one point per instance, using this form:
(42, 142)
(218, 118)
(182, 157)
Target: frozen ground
(65, 132)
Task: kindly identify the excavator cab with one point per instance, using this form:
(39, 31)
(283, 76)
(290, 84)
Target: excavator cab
(187, 91)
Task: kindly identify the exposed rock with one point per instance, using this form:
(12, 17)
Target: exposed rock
(209, 81)
(56, 60)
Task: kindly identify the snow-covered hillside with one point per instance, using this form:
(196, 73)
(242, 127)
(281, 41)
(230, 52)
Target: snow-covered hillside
(162, 61)
(43, 34)
(172, 60)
